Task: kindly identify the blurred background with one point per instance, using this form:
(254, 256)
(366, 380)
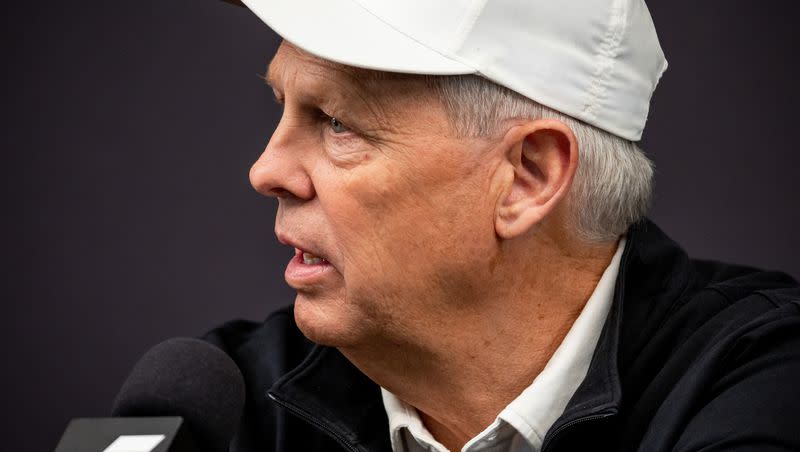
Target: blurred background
(129, 128)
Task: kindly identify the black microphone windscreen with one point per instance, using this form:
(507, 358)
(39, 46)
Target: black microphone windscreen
(188, 378)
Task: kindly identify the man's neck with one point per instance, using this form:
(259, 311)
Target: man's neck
(485, 354)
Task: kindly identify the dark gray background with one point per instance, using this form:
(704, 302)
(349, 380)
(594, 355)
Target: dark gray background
(129, 127)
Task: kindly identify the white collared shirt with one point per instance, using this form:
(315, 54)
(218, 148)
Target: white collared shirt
(522, 425)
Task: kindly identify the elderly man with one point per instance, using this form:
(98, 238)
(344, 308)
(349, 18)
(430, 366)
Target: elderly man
(461, 184)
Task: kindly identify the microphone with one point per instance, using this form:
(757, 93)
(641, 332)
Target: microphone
(182, 395)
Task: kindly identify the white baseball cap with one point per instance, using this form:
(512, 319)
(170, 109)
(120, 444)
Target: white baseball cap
(595, 60)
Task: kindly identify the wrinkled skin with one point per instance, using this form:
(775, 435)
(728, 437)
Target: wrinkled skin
(401, 207)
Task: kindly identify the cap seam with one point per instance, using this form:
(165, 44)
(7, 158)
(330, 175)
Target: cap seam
(451, 57)
(605, 59)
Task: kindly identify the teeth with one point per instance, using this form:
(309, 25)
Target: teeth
(310, 259)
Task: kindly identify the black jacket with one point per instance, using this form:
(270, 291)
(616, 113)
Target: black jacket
(694, 355)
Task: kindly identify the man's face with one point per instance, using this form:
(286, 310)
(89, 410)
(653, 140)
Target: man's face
(401, 210)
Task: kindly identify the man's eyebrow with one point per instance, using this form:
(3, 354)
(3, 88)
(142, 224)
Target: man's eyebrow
(271, 77)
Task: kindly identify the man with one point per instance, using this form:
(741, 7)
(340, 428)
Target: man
(462, 188)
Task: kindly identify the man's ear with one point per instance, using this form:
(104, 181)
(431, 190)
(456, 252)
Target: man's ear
(541, 158)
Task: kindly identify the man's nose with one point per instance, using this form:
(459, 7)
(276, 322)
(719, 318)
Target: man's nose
(280, 170)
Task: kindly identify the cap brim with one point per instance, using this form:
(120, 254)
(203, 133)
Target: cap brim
(345, 32)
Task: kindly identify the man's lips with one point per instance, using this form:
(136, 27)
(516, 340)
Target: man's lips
(309, 258)
(308, 267)
(304, 273)
(301, 246)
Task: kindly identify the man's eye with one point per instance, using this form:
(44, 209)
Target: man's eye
(337, 126)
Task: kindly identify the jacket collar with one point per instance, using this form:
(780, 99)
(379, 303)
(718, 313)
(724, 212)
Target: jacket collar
(331, 393)
(653, 275)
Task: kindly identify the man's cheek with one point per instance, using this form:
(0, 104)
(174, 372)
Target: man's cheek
(381, 257)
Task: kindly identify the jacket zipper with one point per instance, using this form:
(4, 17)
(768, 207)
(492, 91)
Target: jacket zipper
(569, 424)
(302, 414)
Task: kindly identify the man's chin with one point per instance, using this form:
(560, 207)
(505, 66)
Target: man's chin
(325, 321)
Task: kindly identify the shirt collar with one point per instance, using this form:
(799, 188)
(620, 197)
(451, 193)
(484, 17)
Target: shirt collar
(535, 410)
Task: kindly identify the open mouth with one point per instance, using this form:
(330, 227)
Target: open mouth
(310, 259)
(307, 270)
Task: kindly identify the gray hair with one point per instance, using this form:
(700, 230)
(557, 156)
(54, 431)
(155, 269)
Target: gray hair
(612, 188)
